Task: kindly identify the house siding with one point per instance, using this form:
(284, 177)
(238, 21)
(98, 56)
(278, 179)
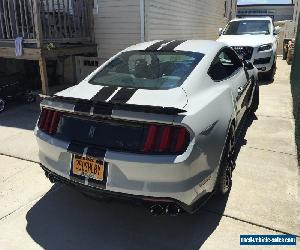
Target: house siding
(191, 19)
(116, 25)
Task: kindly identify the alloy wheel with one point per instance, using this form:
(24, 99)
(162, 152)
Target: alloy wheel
(229, 164)
(2, 105)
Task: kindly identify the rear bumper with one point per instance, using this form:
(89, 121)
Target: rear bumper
(102, 193)
(159, 177)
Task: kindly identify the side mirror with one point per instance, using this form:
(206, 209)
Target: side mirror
(248, 65)
(220, 31)
(277, 30)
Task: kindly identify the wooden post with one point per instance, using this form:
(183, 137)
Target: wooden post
(38, 22)
(91, 24)
(39, 37)
(43, 73)
(74, 70)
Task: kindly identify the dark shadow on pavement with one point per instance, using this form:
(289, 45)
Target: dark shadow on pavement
(241, 133)
(263, 81)
(19, 115)
(66, 219)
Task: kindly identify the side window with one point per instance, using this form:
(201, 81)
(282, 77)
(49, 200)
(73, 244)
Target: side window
(225, 64)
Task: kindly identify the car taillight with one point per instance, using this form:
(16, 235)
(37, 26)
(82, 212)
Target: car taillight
(49, 120)
(166, 139)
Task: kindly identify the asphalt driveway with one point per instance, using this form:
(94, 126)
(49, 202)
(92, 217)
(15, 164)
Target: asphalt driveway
(264, 198)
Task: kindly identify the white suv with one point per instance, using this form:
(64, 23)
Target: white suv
(255, 40)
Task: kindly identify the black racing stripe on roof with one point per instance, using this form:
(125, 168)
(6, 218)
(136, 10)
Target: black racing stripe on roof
(172, 45)
(123, 95)
(104, 94)
(157, 45)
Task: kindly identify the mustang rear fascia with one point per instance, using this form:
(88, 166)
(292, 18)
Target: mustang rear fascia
(147, 175)
(209, 109)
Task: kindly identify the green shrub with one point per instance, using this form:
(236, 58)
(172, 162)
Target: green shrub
(295, 82)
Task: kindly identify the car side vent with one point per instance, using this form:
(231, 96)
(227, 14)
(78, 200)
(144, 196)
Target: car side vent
(49, 120)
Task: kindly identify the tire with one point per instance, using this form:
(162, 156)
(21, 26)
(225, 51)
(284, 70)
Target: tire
(255, 100)
(271, 73)
(2, 105)
(224, 180)
(284, 54)
(289, 61)
(29, 98)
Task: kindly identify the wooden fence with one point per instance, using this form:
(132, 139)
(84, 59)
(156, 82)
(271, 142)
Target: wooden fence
(61, 20)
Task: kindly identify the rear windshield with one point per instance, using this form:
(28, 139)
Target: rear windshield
(148, 69)
(252, 27)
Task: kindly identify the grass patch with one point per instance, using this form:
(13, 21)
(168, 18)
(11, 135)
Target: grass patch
(295, 84)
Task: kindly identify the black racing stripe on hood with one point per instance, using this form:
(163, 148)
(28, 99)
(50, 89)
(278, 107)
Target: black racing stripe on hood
(104, 94)
(172, 45)
(156, 46)
(123, 95)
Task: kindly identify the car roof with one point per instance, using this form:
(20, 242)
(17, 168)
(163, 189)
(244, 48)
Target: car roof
(200, 46)
(252, 18)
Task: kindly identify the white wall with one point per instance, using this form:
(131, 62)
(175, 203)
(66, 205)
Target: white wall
(116, 25)
(190, 19)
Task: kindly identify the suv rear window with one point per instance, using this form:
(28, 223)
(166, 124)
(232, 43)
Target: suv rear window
(148, 69)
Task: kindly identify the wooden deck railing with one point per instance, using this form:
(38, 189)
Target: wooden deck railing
(61, 20)
(16, 19)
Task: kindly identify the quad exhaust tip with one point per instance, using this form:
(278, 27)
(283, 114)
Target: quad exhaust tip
(157, 209)
(165, 209)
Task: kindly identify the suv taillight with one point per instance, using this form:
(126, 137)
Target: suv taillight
(49, 120)
(166, 139)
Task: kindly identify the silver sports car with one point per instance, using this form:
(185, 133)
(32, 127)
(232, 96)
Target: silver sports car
(156, 123)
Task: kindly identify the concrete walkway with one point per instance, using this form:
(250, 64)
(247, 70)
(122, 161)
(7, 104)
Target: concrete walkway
(264, 198)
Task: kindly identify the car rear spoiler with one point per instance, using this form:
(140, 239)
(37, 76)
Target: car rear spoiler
(115, 106)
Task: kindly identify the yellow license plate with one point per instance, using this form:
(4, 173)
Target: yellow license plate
(88, 167)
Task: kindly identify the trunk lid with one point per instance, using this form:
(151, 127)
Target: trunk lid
(92, 122)
(169, 98)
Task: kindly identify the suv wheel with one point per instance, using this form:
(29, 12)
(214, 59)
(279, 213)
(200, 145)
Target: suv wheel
(271, 73)
(2, 105)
